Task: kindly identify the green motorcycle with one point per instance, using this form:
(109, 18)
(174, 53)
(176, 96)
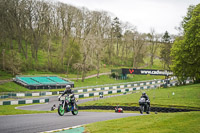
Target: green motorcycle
(66, 105)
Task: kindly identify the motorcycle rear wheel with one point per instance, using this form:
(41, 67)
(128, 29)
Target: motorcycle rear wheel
(148, 110)
(61, 110)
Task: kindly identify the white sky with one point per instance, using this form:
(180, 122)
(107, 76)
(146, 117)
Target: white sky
(162, 15)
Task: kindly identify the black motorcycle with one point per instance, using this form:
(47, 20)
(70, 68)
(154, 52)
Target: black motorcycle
(144, 105)
(66, 106)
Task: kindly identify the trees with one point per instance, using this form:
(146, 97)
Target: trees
(136, 42)
(138, 49)
(185, 51)
(53, 36)
(87, 46)
(166, 50)
(13, 62)
(116, 32)
(153, 38)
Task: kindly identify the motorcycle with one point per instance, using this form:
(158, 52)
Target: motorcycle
(66, 105)
(144, 105)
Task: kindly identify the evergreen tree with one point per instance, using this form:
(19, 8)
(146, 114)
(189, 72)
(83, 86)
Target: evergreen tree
(165, 50)
(117, 32)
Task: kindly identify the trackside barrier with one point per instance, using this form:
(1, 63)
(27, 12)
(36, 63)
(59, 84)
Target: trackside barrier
(10, 95)
(15, 102)
(30, 101)
(134, 108)
(118, 89)
(116, 86)
(91, 88)
(126, 90)
(119, 86)
(115, 91)
(103, 91)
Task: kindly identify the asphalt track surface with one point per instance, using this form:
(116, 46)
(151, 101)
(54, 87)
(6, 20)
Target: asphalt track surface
(32, 123)
(54, 100)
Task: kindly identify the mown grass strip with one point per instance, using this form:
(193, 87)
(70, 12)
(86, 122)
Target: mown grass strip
(187, 122)
(182, 97)
(10, 110)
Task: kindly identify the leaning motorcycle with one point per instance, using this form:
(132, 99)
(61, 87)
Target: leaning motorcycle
(144, 105)
(66, 105)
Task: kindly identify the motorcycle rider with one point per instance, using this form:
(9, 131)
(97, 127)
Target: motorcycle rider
(144, 95)
(69, 92)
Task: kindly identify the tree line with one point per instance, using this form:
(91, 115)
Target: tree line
(185, 51)
(53, 36)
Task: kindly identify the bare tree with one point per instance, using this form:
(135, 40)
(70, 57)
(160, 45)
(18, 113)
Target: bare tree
(54, 36)
(153, 38)
(129, 29)
(78, 68)
(87, 45)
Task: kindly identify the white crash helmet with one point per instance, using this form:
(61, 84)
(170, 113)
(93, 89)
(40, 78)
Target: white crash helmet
(68, 87)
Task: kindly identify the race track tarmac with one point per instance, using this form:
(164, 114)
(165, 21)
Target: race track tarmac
(54, 100)
(32, 123)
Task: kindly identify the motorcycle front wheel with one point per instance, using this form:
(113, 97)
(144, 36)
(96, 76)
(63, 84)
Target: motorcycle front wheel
(61, 110)
(141, 109)
(75, 111)
(148, 110)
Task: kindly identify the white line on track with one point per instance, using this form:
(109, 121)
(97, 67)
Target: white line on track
(29, 105)
(57, 130)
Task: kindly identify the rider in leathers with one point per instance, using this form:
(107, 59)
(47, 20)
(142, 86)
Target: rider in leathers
(144, 95)
(69, 92)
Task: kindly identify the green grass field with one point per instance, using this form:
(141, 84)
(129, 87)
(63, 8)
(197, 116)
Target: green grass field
(4, 75)
(105, 79)
(187, 122)
(10, 110)
(12, 87)
(185, 97)
(157, 64)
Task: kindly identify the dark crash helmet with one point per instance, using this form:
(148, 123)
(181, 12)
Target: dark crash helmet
(143, 94)
(68, 87)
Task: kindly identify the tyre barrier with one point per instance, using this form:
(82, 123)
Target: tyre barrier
(134, 108)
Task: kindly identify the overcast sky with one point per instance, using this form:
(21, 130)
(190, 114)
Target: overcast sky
(162, 15)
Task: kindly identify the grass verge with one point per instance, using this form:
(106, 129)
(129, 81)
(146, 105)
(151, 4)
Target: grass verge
(184, 97)
(187, 122)
(105, 79)
(10, 110)
(4, 75)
